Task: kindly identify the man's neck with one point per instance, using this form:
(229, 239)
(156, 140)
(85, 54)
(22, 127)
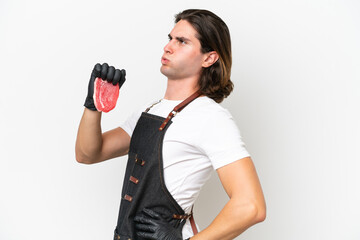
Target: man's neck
(180, 89)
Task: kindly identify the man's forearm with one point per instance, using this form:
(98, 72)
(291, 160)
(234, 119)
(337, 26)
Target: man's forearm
(89, 138)
(233, 219)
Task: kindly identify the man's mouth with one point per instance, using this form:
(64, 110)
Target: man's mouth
(164, 60)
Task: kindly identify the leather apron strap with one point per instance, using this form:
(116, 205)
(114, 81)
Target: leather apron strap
(192, 222)
(193, 225)
(179, 107)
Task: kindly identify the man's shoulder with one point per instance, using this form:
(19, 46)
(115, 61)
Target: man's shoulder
(209, 107)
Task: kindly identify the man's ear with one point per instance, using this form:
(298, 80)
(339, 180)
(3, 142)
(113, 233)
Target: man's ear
(210, 59)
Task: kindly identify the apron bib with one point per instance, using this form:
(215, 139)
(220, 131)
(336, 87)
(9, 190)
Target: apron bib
(144, 185)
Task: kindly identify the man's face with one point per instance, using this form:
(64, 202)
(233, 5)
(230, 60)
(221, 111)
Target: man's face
(182, 57)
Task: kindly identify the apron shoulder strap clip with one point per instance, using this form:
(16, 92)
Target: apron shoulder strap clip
(179, 107)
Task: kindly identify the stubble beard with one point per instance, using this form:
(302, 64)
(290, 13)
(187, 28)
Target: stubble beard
(169, 73)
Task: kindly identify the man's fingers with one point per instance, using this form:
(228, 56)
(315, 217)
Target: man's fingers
(142, 219)
(104, 71)
(151, 213)
(122, 78)
(110, 74)
(145, 227)
(97, 70)
(146, 235)
(117, 76)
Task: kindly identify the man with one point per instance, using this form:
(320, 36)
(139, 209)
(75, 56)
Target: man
(166, 171)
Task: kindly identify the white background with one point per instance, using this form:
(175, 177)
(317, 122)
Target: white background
(296, 102)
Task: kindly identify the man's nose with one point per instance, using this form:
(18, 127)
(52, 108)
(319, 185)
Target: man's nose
(168, 47)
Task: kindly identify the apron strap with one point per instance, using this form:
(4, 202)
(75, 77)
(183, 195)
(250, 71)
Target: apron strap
(192, 222)
(191, 219)
(179, 107)
(181, 217)
(193, 225)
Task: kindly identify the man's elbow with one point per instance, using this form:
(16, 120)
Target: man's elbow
(81, 158)
(259, 212)
(261, 215)
(253, 212)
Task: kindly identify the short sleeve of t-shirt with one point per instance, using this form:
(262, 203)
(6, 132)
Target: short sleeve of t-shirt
(221, 139)
(130, 123)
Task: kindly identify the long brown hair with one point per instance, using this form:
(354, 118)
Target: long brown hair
(213, 35)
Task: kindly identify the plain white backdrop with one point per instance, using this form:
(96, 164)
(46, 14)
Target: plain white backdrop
(296, 102)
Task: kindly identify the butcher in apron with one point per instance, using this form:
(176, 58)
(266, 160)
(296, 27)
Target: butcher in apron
(196, 61)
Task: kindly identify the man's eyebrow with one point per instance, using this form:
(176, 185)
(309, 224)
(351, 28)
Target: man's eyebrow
(179, 38)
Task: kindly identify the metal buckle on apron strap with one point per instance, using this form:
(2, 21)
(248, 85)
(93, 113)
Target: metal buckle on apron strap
(170, 116)
(190, 217)
(179, 107)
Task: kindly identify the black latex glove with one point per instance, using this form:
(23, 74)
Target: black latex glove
(106, 72)
(151, 225)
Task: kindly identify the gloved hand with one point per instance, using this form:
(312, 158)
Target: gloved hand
(151, 225)
(107, 73)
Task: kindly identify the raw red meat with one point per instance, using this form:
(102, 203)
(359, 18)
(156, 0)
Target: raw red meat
(105, 95)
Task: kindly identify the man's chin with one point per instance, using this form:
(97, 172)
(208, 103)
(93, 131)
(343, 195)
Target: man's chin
(171, 74)
(166, 72)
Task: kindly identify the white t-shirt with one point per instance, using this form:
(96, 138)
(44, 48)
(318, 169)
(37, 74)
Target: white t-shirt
(201, 138)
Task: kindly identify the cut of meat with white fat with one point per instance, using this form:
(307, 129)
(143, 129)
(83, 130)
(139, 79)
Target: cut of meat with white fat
(105, 95)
